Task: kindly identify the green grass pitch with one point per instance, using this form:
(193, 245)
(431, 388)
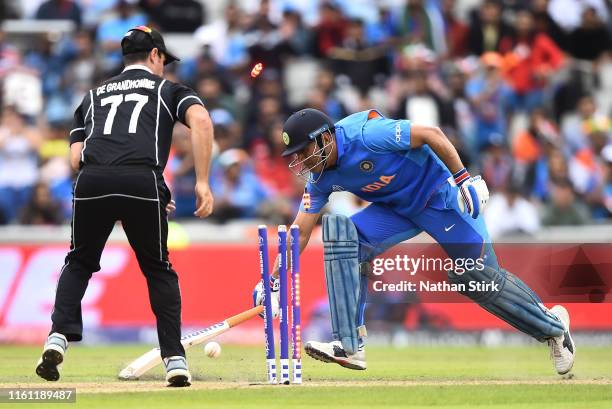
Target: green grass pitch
(412, 377)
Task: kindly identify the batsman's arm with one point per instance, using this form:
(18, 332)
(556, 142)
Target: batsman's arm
(307, 222)
(474, 191)
(438, 142)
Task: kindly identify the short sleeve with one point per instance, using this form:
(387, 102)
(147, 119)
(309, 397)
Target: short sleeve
(77, 133)
(183, 97)
(387, 135)
(313, 200)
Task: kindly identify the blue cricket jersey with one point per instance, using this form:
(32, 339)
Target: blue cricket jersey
(377, 163)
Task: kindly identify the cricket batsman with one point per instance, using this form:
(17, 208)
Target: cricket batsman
(415, 181)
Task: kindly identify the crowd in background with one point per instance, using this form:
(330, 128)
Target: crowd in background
(522, 88)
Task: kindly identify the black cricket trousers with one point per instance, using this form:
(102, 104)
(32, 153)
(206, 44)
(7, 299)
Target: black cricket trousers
(137, 197)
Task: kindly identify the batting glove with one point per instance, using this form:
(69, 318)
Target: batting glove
(474, 192)
(258, 295)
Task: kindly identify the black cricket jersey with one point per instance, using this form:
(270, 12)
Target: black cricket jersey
(128, 119)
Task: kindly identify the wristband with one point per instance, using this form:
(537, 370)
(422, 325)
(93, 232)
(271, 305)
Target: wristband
(461, 176)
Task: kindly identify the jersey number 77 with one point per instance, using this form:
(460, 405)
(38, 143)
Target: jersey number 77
(115, 101)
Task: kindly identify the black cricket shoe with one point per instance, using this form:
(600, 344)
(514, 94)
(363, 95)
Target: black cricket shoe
(49, 364)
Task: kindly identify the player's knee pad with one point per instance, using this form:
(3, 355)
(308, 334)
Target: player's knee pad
(509, 298)
(346, 286)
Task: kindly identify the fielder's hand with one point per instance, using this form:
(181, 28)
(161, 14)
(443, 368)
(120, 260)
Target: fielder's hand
(204, 200)
(474, 192)
(258, 296)
(170, 207)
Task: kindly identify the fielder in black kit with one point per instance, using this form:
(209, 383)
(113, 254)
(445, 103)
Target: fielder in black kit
(120, 141)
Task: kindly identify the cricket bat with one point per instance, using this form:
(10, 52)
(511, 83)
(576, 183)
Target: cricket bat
(151, 359)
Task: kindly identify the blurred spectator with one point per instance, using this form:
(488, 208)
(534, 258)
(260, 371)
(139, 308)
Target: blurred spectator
(607, 189)
(544, 23)
(211, 91)
(22, 89)
(532, 58)
(44, 58)
(111, 31)
(227, 130)
(421, 102)
(175, 16)
(273, 172)
(510, 8)
(226, 38)
(330, 30)
(418, 24)
(95, 10)
(9, 55)
(362, 62)
(266, 43)
(317, 99)
(7, 11)
(531, 148)
(266, 112)
(55, 169)
(568, 13)
(596, 197)
(271, 168)
(550, 170)
(456, 32)
(463, 121)
(326, 95)
(204, 65)
(42, 208)
(496, 166)
(293, 30)
(489, 94)
(18, 162)
(509, 213)
(577, 125)
(269, 85)
(591, 39)
(82, 72)
(52, 58)
(487, 29)
(586, 169)
(237, 190)
(381, 30)
(564, 208)
(60, 10)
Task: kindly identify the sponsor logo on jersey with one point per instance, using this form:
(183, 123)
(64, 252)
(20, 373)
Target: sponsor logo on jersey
(338, 188)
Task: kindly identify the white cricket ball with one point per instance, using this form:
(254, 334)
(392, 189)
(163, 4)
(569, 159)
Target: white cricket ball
(212, 350)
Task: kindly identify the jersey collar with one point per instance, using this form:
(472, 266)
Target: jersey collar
(137, 67)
